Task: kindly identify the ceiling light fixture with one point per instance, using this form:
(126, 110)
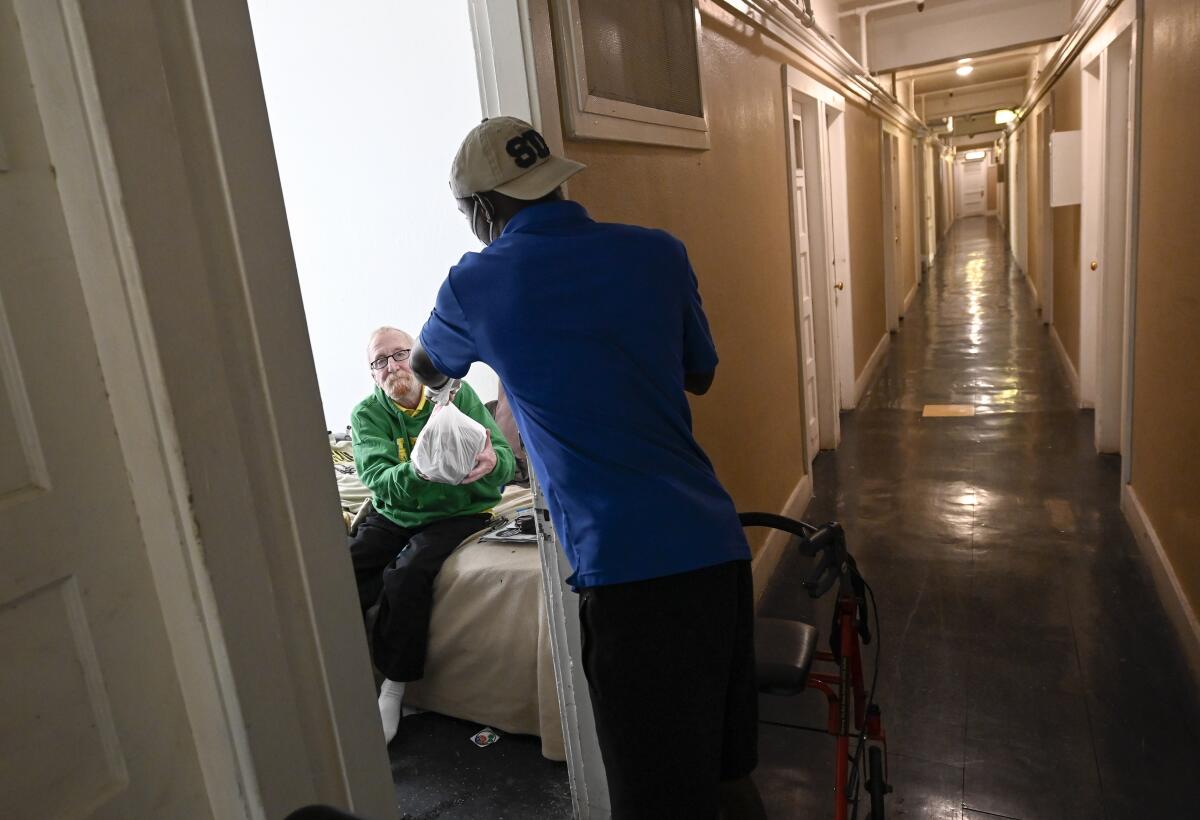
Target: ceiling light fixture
(964, 70)
(964, 60)
(974, 155)
(1005, 116)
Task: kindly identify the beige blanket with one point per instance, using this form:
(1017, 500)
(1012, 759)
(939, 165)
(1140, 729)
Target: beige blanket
(489, 643)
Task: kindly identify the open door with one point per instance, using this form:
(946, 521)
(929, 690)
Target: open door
(163, 656)
(839, 243)
(1104, 237)
(815, 142)
(929, 211)
(95, 715)
(803, 271)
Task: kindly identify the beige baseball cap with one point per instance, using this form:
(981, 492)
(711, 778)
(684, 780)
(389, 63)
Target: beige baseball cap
(507, 155)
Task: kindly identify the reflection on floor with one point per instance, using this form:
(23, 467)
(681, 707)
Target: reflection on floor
(439, 773)
(1028, 669)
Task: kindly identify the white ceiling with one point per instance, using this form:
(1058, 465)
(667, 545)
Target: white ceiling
(992, 68)
(899, 37)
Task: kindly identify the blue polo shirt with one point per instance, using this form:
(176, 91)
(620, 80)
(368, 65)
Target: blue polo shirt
(591, 327)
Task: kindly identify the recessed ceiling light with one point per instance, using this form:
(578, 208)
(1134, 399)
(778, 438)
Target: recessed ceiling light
(964, 60)
(974, 155)
(964, 70)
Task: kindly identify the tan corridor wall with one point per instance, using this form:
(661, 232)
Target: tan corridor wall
(864, 178)
(1166, 376)
(729, 205)
(1068, 116)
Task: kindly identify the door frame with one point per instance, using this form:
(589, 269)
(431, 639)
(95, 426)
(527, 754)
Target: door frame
(822, 113)
(517, 77)
(960, 168)
(1110, 162)
(989, 162)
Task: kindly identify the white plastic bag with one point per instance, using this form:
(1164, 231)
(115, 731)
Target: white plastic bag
(446, 449)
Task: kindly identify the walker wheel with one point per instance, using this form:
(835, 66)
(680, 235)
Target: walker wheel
(877, 786)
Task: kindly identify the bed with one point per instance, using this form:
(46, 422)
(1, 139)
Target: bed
(489, 644)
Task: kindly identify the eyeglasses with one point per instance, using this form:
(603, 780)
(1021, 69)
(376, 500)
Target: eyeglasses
(398, 356)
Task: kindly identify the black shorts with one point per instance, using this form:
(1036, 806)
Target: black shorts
(670, 669)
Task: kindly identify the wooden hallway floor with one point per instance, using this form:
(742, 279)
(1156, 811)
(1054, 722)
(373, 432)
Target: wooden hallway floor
(1028, 668)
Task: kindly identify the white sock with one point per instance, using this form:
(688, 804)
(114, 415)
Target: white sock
(391, 697)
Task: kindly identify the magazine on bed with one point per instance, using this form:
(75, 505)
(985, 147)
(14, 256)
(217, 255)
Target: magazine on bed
(520, 529)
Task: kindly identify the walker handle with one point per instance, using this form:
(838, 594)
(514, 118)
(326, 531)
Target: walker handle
(825, 544)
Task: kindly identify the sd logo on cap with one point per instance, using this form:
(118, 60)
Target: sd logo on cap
(508, 155)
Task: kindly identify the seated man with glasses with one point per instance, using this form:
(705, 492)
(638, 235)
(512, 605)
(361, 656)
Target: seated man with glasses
(416, 524)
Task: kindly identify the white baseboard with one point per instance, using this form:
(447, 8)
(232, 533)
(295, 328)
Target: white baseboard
(1174, 599)
(1037, 297)
(1072, 375)
(765, 563)
(864, 379)
(912, 294)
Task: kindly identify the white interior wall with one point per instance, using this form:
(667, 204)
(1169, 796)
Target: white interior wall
(367, 107)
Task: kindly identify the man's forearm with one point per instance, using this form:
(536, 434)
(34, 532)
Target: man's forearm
(424, 368)
(698, 383)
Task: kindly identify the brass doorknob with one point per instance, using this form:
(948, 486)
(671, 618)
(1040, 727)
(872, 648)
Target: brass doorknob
(840, 285)
(1094, 264)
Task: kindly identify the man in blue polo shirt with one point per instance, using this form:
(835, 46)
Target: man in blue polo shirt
(596, 330)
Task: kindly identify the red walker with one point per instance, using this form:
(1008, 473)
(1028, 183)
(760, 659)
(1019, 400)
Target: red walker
(786, 650)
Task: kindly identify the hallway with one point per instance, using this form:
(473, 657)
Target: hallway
(1028, 669)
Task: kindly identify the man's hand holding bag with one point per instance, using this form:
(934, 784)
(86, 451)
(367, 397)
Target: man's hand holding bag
(453, 448)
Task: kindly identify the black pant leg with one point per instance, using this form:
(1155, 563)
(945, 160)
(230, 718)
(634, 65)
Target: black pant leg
(400, 635)
(659, 656)
(321, 812)
(376, 542)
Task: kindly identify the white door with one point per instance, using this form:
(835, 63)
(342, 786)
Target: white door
(891, 230)
(842, 294)
(928, 212)
(93, 718)
(972, 188)
(1090, 233)
(808, 345)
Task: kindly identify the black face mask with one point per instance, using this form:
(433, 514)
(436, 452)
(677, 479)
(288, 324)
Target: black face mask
(491, 225)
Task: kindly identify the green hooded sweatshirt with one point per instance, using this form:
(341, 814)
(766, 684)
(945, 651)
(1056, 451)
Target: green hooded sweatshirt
(384, 435)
